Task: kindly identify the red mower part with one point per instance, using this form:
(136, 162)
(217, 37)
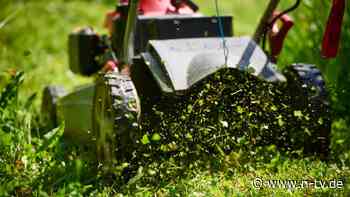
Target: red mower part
(151, 8)
(158, 7)
(331, 38)
(278, 34)
(162, 7)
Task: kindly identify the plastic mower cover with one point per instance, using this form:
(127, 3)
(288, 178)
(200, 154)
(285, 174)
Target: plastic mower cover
(180, 63)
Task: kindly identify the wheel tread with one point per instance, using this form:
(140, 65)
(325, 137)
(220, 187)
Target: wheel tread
(121, 91)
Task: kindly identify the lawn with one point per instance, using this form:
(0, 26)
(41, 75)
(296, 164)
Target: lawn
(35, 161)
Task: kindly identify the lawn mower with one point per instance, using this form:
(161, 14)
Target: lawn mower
(165, 47)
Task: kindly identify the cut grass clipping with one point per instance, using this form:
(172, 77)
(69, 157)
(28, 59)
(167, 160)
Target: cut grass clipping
(229, 113)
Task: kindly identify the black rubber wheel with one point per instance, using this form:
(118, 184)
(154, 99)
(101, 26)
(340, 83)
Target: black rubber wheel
(308, 88)
(51, 94)
(115, 116)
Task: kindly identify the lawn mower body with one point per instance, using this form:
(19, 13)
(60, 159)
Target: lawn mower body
(171, 47)
(171, 53)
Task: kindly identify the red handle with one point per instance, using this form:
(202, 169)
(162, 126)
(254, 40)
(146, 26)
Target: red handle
(279, 34)
(331, 38)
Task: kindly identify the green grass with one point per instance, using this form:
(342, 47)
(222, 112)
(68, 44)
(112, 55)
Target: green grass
(35, 40)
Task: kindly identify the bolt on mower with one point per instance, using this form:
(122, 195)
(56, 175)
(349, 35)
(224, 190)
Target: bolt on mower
(165, 47)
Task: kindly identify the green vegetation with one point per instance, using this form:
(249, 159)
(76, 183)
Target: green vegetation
(36, 161)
